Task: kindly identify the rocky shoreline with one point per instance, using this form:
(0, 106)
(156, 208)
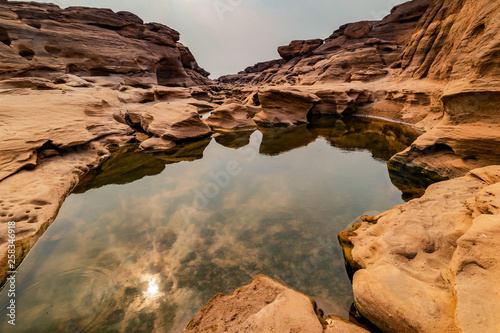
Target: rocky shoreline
(72, 87)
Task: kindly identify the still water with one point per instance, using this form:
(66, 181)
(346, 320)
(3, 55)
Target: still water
(146, 240)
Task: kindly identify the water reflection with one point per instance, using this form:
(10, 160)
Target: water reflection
(234, 139)
(125, 258)
(126, 164)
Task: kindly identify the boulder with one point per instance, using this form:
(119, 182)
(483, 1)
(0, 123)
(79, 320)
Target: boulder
(232, 117)
(174, 121)
(431, 265)
(284, 106)
(266, 305)
(298, 48)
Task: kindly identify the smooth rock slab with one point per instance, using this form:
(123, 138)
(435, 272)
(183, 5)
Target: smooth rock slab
(156, 145)
(174, 121)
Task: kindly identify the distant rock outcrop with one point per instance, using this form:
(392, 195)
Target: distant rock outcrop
(361, 51)
(43, 39)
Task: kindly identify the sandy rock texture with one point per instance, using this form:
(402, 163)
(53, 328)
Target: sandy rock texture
(431, 265)
(265, 305)
(41, 39)
(361, 51)
(432, 64)
(284, 107)
(233, 117)
(456, 44)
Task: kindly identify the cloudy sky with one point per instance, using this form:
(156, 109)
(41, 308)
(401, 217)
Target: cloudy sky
(228, 35)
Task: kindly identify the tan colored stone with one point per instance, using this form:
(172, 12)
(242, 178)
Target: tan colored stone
(430, 265)
(174, 121)
(284, 106)
(232, 117)
(265, 305)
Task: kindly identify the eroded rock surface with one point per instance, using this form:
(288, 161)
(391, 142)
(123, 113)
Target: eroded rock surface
(284, 107)
(430, 265)
(233, 117)
(361, 51)
(44, 39)
(265, 305)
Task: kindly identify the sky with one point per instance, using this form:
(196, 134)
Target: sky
(226, 36)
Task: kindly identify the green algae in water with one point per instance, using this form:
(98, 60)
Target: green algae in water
(147, 240)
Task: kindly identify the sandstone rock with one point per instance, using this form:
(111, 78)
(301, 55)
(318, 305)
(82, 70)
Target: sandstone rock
(174, 121)
(262, 66)
(265, 305)
(141, 137)
(456, 41)
(59, 120)
(134, 95)
(32, 199)
(339, 325)
(362, 51)
(358, 29)
(284, 107)
(43, 38)
(232, 117)
(430, 265)
(338, 102)
(298, 48)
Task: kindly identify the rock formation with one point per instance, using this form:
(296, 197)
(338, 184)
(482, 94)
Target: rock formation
(456, 44)
(431, 265)
(265, 305)
(45, 40)
(361, 51)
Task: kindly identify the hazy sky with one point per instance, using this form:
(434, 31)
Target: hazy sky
(226, 36)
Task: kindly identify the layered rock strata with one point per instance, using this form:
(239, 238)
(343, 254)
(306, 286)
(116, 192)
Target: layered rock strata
(43, 39)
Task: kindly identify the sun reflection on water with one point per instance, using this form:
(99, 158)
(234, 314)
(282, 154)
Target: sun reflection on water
(153, 289)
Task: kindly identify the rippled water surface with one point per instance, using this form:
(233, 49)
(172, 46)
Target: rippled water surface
(146, 240)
